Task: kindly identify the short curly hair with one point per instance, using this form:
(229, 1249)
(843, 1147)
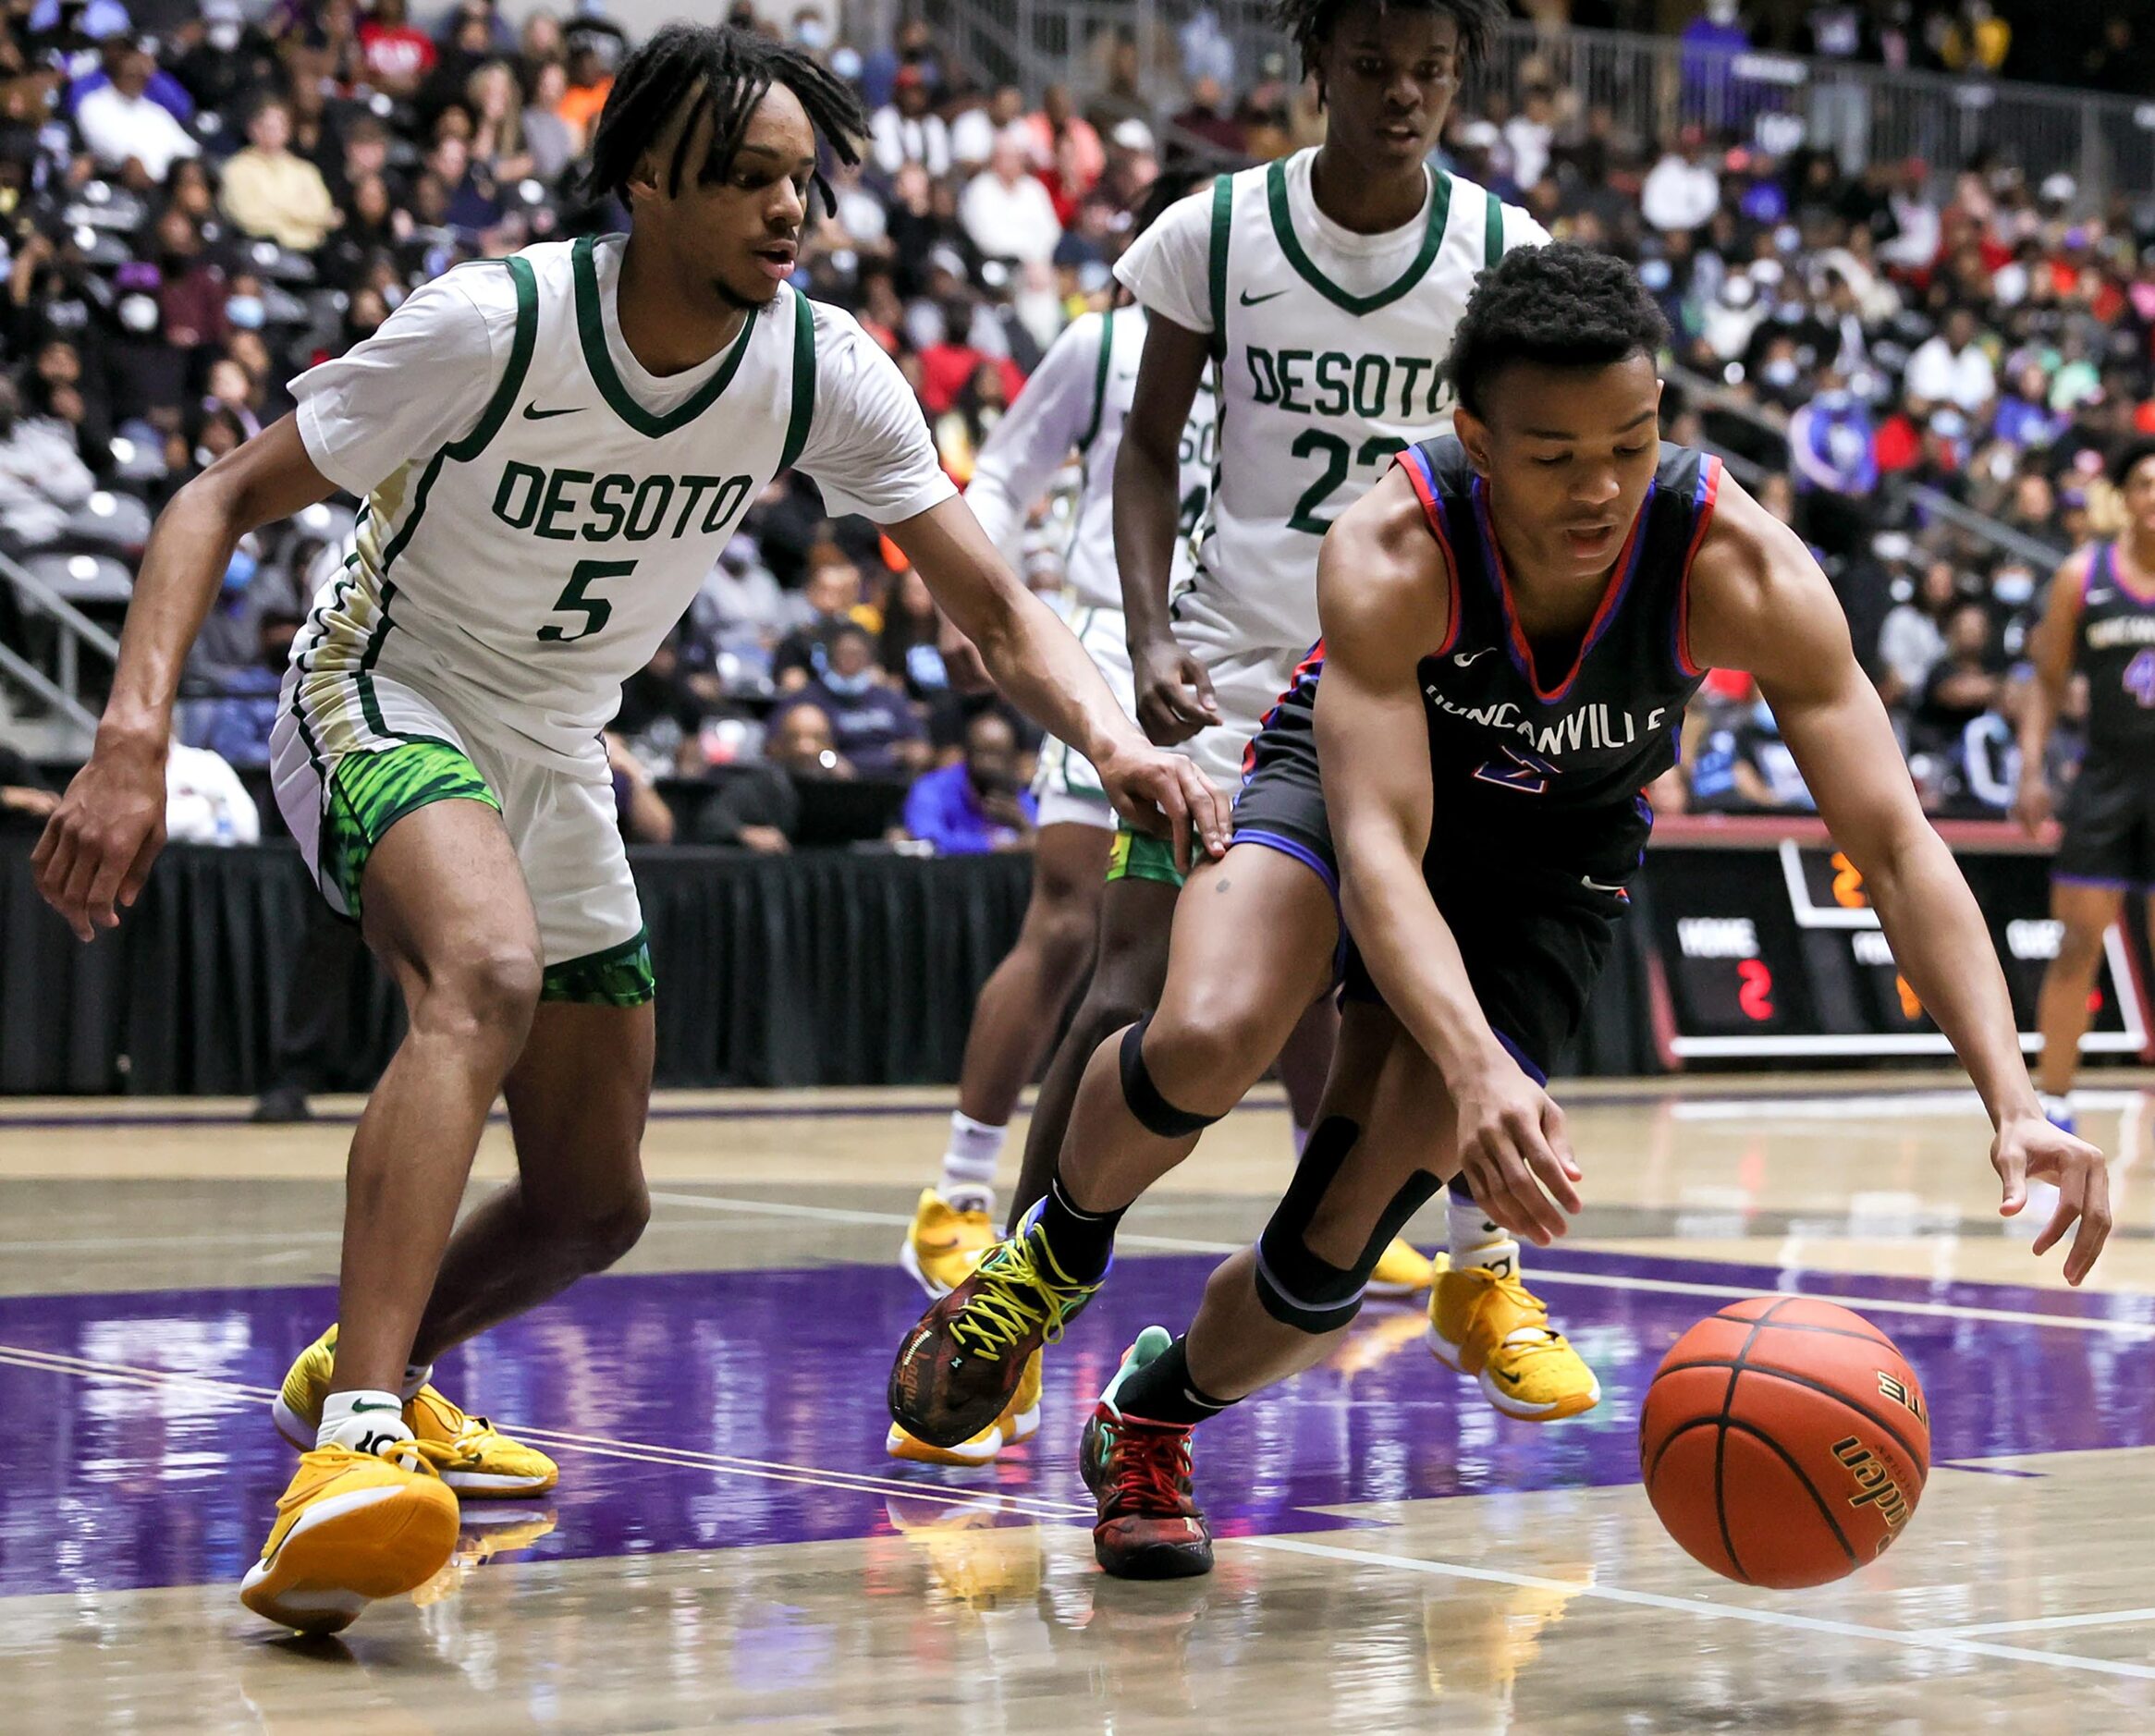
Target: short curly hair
(1308, 22)
(1559, 305)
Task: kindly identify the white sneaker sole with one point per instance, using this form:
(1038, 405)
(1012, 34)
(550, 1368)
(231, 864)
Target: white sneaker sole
(911, 1263)
(331, 1564)
(1493, 1389)
(980, 1451)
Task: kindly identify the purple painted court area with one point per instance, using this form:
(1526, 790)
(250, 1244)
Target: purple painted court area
(726, 1409)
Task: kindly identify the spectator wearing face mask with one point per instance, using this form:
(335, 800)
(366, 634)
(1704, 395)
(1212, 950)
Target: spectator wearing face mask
(235, 725)
(977, 805)
(1835, 470)
(120, 121)
(876, 728)
(833, 596)
(271, 191)
(42, 478)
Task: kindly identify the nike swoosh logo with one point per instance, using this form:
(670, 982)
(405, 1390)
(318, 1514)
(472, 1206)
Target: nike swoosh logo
(1250, 300)
(937, 1247)
(1465, 659)
(1504, 1374)
(534, 413)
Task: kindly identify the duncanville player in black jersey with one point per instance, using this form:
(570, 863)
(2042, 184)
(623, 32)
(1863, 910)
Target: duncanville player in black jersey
(1514, 618)
(2099, 618)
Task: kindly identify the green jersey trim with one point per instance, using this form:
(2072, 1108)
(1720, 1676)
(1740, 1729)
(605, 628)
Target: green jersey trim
(804, 411)
(1492, 231)
(1092, 431)
(619, 976)
(1291, 245)
(1222, 225)
(590, 333)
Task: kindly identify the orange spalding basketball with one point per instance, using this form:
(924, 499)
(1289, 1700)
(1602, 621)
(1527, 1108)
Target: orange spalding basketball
(1784, 1441)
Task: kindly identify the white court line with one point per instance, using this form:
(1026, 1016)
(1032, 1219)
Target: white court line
(2094, 1619)
(1864, 1105)
(1918, 1638)
(1542, 1274)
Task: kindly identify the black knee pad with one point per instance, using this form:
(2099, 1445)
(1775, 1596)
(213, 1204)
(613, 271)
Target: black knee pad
(1154, 1112)
(1297, 1288)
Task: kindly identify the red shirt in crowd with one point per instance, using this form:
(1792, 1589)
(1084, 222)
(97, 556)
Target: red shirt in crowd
(396, 52)
(945, 367)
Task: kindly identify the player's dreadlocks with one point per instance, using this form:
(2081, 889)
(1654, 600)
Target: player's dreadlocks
(686, 68)
(1309, 23)
(1561, 306)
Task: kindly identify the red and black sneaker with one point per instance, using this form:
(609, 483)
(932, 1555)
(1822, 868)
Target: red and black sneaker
(957, 1367)
(1139, 1473)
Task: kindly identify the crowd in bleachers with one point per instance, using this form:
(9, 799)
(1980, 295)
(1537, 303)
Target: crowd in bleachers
(201, 199)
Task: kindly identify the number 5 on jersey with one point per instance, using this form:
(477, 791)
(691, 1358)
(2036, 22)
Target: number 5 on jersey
(596, 611)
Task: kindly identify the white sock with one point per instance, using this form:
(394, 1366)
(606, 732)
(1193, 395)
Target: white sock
(416, 1375)
(361, 1421)
(1299, 1134)
(1474, 1238)
(969, 1162)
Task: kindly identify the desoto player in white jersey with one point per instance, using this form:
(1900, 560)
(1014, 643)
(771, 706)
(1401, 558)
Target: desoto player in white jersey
(1325, 289)
(552, 450)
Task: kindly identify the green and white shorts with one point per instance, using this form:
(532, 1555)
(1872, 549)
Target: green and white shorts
(354, 752)
(1066, 788)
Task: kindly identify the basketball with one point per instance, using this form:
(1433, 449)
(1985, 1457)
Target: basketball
(1784, 1442)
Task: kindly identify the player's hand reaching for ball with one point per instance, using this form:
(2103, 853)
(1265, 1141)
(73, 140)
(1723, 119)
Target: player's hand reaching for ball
(99, 844)
(1155, 791)
(1513, 1146)
(2030, 1149)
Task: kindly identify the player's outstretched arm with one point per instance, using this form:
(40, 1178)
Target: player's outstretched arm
(1043, 671)
(2051, 650)
(1174, 695)
(99, 844)
(1382, 599)
(1758, 601)
(1034, 436)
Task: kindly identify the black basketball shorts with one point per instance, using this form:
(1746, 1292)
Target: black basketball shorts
(1534, 935)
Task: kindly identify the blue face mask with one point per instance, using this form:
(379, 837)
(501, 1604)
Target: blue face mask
(849, 686)
(238, 572)
(245, 312)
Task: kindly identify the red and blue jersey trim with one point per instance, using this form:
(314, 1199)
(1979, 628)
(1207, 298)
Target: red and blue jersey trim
(1416, 462)
(1612, 596)
(1703, 501)
(1311, 667)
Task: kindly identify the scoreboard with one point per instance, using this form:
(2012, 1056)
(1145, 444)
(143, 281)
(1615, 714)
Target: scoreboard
(1774, 952)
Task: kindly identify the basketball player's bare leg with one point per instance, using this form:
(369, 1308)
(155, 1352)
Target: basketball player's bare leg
(1018, 1013)
(445, 910)
(1383, 1143)
(1147, 1093)
(1129, 967)
(2085, 913)
(578, 1096)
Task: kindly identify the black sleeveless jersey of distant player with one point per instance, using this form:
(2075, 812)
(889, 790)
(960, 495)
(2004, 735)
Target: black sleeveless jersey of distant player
(1510, 732)
(2116, 651)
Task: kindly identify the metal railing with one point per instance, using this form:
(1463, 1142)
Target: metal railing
(1649, 85)
(76, 635)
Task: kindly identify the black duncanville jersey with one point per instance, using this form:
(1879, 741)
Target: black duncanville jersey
(1505, 725)
(2117, 648)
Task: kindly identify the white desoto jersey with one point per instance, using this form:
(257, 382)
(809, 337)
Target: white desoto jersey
(539, 511)
(1077, 399)
(1328, 346)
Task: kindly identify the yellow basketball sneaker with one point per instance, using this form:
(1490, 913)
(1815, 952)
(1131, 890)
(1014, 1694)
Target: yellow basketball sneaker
(482, 1464)
(944, 1244)
(1019, 1422)
(1404, 1270)
(352, 1527)
(1484, 1322)
(974, 1552)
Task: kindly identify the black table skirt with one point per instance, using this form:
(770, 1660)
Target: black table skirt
(818, 968)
